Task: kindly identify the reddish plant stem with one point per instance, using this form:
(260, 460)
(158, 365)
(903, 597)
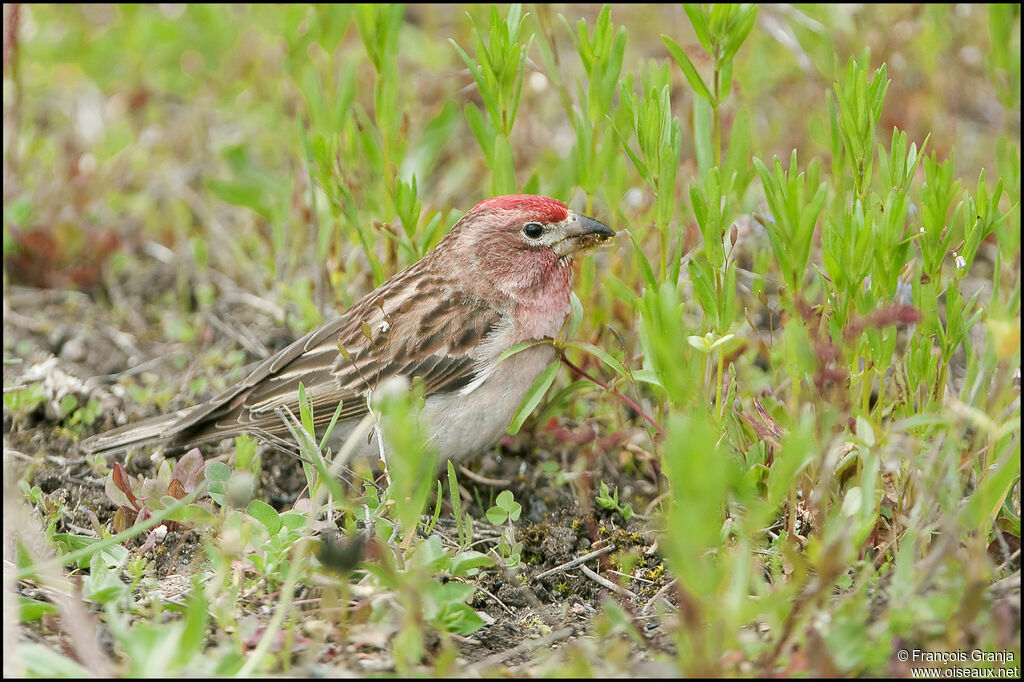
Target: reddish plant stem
(11, 31)
(580, 372)
(12, 110)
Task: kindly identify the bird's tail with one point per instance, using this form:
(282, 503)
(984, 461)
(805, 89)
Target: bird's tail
(155, 430)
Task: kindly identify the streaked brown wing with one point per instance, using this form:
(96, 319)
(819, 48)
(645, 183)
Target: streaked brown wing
(417, 332)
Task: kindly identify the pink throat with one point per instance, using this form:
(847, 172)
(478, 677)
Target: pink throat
(542, 312)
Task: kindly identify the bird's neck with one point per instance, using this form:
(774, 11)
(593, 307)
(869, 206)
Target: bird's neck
(533, 288)
(540, 312)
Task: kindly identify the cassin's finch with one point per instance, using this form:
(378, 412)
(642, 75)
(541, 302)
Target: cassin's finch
(502, 275)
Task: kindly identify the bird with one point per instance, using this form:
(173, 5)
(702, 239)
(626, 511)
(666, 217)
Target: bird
(501, 276)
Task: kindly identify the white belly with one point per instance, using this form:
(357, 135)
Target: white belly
(463, 424)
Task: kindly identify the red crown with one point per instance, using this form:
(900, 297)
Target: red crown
(537, 207)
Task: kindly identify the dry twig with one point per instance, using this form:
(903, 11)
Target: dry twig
(607, 584)
(575, 562)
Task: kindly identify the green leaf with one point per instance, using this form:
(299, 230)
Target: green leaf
(292, 520)
(468, 563)
(503, 166)
(265, 514)
(67, 404)
(738, 32)
(992, 489)
(737, 156)
(629, 102)
(521, 346)
(31, 609)
(217, 471)
(701, 276)
(645, 265)
(241, 194)
(197, 616)
(700, 25)
(330, 427)
(217, 475)
(496, 515)
(852, 502)
(459, 618)
(306, 401)
(702, 137)
(430, 556)
(437, 133)
(619, 289)
(453, 591)
(111, 556)
(796, 452)
(456, 499)
(601, 355)
(533, 396)
(507, 501)
(482, 131)
(572, 324)
(103, 585)
(689, 70)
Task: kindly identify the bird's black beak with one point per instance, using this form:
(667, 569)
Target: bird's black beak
(581, 232)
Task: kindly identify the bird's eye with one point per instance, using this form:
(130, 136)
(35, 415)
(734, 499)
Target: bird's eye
(533, 230)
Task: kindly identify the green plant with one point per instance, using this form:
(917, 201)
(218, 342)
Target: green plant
(506, 512)
(610, 500)
(138, 498)
(22, 401)
(505, 509)
(464, 522)
(721, 31)
(659, 138)
(77, 417)
(498, 71)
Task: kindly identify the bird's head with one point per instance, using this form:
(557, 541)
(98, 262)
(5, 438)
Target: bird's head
(524, 243)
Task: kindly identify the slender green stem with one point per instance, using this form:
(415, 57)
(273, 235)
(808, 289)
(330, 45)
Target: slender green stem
(718, 392)
(797, 380)
(719, 288)
(939, 392)
(716, 127)
(664, 252)
(704, 372)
